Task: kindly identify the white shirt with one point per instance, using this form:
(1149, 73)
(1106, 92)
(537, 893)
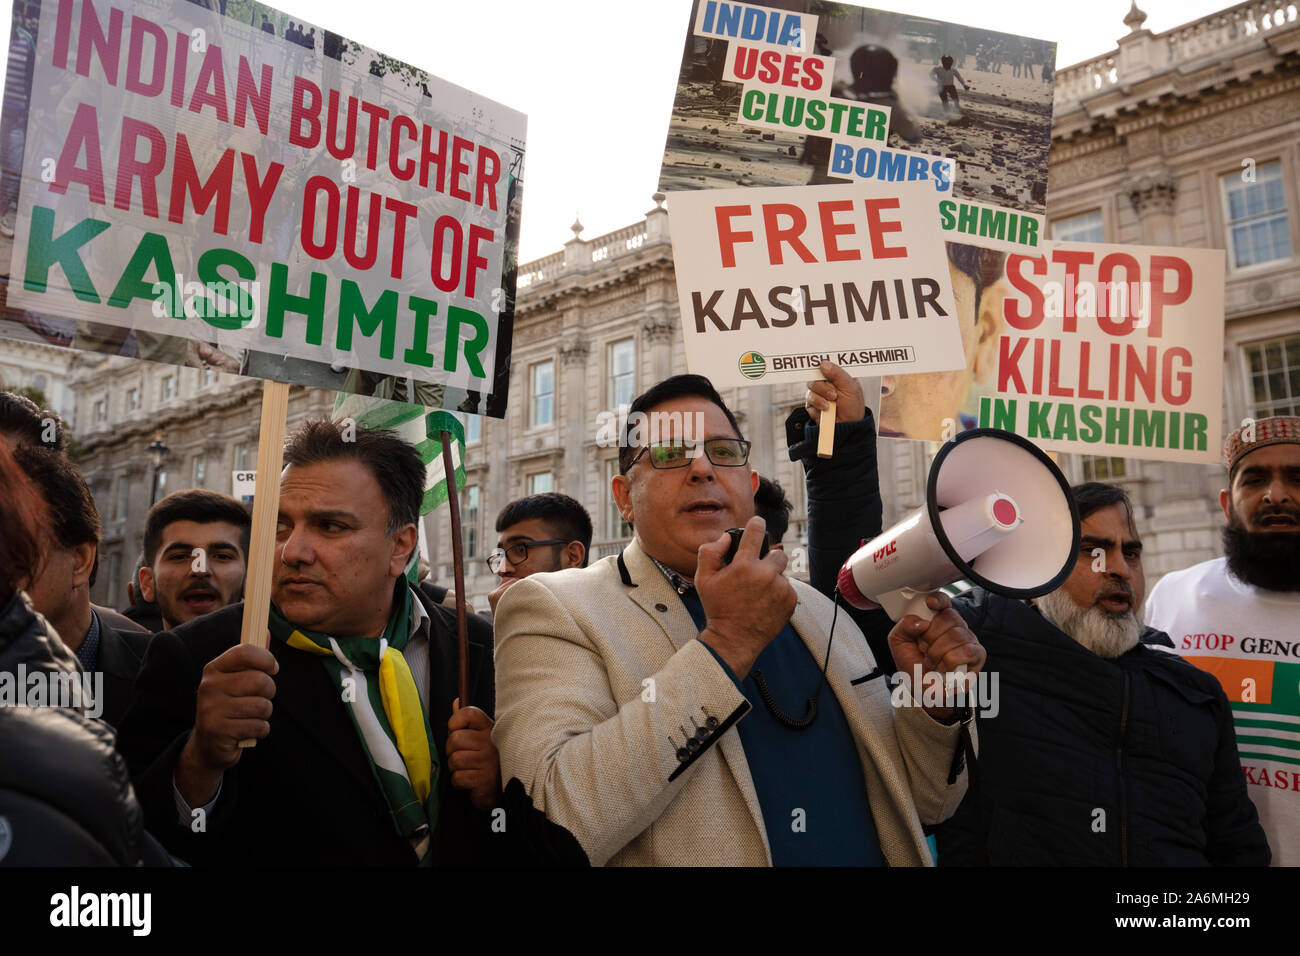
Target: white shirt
(1249, 638)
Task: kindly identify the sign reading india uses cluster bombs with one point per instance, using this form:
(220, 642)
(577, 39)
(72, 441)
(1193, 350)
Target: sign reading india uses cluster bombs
(796, 103)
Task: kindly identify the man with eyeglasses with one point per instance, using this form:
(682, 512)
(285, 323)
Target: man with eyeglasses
(669, 707)
(545, 532)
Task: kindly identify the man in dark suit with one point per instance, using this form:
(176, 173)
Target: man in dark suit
(61, 592)
(335, 778)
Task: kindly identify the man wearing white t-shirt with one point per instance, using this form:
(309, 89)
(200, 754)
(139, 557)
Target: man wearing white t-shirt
(1239, 618)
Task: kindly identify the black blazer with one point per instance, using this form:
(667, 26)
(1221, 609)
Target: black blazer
(305, 795)
(121, 653)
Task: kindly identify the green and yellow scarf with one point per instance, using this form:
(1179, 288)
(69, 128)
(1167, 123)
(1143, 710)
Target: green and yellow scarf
(377, 687)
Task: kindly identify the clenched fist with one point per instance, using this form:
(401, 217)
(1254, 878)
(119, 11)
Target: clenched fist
(234, 704)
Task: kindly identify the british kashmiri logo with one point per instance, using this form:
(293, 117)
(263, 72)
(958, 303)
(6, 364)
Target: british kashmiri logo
(753, 365)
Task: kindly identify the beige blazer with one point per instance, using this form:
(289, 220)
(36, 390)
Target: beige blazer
(601, 682)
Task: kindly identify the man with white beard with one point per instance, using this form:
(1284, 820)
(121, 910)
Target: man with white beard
(1237, 617)
(1105, 750)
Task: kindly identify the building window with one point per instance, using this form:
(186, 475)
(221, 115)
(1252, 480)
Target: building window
(241, 458)
(132, 398)
(1258, 230)
(123, 495)
(471, 521)
(1086, 228)
(200, 471)
(542, 390)
(622, 373)
(208, 377)
(101, 410)
(167, 390)
(540, 483)
(39, 382)
(1097, 468)
(162, 484)
(1274, 377)
(615, 526)
(473, 429)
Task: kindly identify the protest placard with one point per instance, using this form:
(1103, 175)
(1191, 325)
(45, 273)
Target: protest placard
(764, 98)
(773, 281)
(201, 191)
(1082, 347)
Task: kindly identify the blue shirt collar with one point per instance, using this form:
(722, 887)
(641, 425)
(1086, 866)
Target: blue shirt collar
(88, 652)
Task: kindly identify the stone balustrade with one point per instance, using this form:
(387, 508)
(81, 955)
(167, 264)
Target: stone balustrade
(1142, 54)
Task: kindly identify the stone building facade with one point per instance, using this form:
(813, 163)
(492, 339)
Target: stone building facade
(1189, 137)
(208, 421)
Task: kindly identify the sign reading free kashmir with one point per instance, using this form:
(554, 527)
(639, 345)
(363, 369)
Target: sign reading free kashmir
(773, 281)
(266, 197)
(1082, 347)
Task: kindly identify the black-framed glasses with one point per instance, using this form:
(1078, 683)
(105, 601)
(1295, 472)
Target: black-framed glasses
(726, 452)
(517, 553)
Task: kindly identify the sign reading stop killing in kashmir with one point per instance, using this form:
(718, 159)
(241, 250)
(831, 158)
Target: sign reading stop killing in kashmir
(1090, 348)
(772, 282)
(287, 204)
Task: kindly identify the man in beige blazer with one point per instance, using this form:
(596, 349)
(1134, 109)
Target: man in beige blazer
(622, 686)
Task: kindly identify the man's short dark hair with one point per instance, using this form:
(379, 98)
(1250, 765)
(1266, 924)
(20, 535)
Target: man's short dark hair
(193, 504)
(677, 386)
(771, 504)
(567, 516)
(23, 521)
(1092, 496)
(74, 519)
(20, 416)
(394, 463)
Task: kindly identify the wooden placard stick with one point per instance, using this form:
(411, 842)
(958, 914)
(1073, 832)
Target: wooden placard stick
(266, 508)
(458, 571)
(826, 432)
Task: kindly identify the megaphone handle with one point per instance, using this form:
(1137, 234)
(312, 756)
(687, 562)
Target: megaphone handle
(905, 601)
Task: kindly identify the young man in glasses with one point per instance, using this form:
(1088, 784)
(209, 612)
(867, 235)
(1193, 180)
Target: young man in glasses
(657, 704)
(546, 532)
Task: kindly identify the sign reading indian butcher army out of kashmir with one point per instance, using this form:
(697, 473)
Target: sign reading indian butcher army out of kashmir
(287, 204)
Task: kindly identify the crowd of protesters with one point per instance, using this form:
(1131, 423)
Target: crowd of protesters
(678, 703)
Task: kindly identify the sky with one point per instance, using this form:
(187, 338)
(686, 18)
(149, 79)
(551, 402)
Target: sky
(596, 78)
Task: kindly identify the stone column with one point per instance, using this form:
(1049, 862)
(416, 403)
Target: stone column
(657, 331)
(574, 352)
(1153, 194)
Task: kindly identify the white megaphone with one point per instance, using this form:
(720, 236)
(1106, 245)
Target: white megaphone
(997, 511)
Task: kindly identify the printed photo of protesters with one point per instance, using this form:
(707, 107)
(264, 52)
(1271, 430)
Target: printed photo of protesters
(999, 131)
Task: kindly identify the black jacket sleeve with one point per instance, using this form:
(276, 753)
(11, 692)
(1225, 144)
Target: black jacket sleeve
(844, 509)
(153, 733)
(1234, 836)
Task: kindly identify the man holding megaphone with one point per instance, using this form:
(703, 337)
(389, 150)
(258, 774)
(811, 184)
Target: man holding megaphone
(671, 707)
(1102, 749)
